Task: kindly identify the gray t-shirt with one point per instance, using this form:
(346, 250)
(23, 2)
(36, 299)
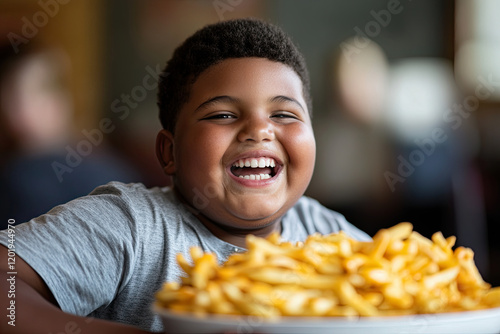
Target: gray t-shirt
(106, 254)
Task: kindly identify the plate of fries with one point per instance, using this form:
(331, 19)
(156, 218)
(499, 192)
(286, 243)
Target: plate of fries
(399, 282)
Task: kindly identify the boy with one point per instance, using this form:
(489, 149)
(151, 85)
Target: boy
(237, 141)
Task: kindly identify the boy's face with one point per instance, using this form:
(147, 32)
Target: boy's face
(240, 112)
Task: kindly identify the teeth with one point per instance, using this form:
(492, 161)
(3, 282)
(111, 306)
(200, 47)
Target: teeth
(256, 177)
(255, 163)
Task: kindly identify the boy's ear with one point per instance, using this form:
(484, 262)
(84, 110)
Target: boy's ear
(165, 151)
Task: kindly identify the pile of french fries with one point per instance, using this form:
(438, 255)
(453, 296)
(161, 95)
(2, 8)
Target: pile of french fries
(399, 272)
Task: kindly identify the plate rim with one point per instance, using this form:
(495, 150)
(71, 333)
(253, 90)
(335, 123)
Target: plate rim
(437, 318)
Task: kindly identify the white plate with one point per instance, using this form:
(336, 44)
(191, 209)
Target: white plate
(471, 322)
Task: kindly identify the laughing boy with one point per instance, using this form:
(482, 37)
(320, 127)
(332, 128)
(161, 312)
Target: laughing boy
(237, 142)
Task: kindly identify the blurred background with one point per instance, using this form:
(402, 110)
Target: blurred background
(406, 99)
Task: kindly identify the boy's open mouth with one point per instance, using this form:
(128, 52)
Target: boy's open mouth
(254, 168)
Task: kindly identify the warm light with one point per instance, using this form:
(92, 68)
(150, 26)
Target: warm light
(420, 90)
(477, 57)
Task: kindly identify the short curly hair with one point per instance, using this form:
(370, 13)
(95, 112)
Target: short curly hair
(213, 44)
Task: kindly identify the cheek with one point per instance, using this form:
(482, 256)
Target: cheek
(301, 147)
(202, 150)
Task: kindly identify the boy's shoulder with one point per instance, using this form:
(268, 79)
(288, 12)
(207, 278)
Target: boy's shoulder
(131, 192)
(157, 203)
(120, 188)
(136, 198)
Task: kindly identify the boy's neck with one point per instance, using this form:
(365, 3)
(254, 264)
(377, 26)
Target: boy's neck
(237, 237)
(231, 235)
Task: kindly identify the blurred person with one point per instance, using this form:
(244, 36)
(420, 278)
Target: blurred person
(350, 142)
(389, 150)
(36, 126)
(436, 143)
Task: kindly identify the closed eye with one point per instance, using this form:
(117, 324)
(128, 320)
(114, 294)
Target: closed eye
(284, 116)
(219, 117)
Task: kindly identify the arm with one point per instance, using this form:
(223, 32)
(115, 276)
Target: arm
(37, 311)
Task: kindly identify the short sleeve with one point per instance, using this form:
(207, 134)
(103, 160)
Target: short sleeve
(84, 250)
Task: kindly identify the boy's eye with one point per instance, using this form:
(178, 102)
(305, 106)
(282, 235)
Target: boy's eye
(218, 116)
(285, 116)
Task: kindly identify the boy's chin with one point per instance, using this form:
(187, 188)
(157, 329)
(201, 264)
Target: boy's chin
(257, 206)
(237, 218)
(253, 220)
(249, 225)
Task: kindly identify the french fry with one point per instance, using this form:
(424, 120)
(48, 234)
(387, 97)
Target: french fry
(400, 231)
(183, 263)
(349, 296)
(399, 272)
(492, 297)
(203, 270)
(442, 278)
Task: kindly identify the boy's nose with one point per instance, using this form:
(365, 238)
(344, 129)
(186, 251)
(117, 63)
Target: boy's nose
(256, 129)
